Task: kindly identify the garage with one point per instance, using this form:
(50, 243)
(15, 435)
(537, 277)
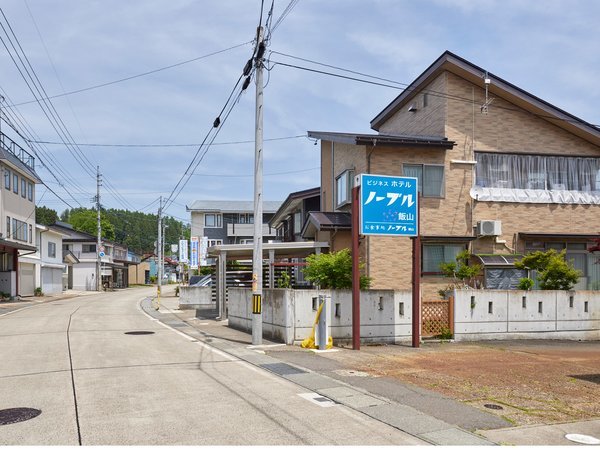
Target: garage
(52, 279)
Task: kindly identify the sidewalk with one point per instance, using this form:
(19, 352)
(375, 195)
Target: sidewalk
(425, 414)
(411, 419)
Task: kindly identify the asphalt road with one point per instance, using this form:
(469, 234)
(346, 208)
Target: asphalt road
(96, 385)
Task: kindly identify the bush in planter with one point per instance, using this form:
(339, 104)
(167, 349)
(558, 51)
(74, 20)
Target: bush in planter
(38, 292)
(526, 284)
(553, 271)
(333, 270)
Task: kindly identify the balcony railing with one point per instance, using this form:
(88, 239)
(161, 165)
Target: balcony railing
(247, 230)
(23, 155)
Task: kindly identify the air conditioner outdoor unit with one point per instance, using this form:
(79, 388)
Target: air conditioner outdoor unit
(489, 228)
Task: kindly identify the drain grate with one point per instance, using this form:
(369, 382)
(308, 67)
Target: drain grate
(15, 415)
(492, 406)
(138, 333)
(282, 369)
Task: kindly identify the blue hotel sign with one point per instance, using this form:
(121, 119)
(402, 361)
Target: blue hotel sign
(388, 205)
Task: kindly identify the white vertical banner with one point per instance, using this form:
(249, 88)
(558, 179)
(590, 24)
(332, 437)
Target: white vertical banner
(204, 251)
(183, 250)
(193, 252)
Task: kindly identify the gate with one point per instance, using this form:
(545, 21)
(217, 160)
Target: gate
(437, 317)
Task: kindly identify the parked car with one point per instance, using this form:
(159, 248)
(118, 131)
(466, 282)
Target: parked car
(200, 280)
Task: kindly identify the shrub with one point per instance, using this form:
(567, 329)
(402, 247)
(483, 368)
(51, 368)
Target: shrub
(553, 272)
(333, 270)
(284, 281)
(38, 292)
(460, 270)
(525, 284)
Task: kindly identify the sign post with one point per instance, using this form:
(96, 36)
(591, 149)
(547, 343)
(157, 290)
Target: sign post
(389, 206)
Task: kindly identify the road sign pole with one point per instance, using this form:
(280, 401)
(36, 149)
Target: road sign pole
(355, 270)
(416, 281)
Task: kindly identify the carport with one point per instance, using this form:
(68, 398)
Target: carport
(276, 251)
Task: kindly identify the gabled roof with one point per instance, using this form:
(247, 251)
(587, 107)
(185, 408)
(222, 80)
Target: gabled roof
(228, 206)
(292, 202)
(326, 221)
(383, 139)
(498, 87)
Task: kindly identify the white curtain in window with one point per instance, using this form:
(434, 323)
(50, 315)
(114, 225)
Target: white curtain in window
(536, 179)
(414, 171)
(433, 181)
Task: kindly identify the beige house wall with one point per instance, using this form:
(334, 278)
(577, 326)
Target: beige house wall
(137, 273)
(426, 120)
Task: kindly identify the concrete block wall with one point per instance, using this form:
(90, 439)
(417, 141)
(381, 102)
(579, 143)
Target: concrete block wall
(495, 314)
(195, 297)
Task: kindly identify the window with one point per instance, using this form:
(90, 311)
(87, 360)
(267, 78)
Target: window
(212, 242)
(7, 179)
(19, 230)
(23, 188)
(343, 187)
(212, 220)
(246, 218)
(436, 254)
(425, 99)
(30, 192)
(430, 178)
(537, 172)
(297, 223)
(88, 248)
(51, 250)
(8, 226)
(246, 241)
(15, 183)
(30, 234)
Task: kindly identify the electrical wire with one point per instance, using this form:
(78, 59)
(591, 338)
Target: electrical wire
(120, 80)
(296, 136)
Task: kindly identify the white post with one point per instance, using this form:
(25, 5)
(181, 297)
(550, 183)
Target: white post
(257, 257)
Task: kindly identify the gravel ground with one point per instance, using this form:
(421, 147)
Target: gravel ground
(535, 382)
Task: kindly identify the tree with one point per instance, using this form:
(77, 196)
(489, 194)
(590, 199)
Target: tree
(461, 270)
(86, 220)
(45, 216)
(333, 270)
(553, 271)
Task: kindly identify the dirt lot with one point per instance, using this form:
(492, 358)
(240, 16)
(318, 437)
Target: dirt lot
(535, 382)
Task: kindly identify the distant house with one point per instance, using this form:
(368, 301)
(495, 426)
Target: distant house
(84, 247)
(229, 222)
(138, 270)
(17, 225)
(500, 171)
(289, 219)
(49, 262)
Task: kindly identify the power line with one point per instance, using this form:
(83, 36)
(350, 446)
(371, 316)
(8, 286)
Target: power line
(120, 80)
(251, 175)
(297, 136)
(402, 86)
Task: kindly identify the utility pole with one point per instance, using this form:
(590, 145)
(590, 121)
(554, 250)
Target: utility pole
(99, 236)
(159, 248)
(257, 256)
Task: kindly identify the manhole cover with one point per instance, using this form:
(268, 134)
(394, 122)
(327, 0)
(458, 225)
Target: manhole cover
(139, 333)
(582, 439)
(492, 406)
(282, 369)
(14, 415)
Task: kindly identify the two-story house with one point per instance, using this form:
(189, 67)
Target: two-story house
(50, 268)
(501, 172)
(84, 247)
(229, 222)
(17, 225)
(289, 219)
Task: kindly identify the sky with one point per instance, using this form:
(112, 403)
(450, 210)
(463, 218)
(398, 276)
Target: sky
(134, 129)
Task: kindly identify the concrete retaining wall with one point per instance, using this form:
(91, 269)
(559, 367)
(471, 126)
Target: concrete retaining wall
(195, 297)
(289, 315)
(492, 314)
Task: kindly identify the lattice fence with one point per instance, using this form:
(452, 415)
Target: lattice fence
(437, 317)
